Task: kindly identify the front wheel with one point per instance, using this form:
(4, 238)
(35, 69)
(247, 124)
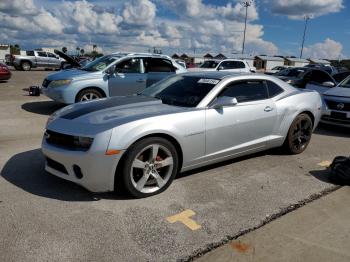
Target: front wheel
(149, 167)
(88, 94)
(26, 66)
(299, 134)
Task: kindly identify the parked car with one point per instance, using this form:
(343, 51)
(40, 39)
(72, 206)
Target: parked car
(275, 70)
(5, 73)
(112, 75)
(328, 68)
(34, 59)
(309, 78)
(180, 123)
(341, 76)
(71, 61)
(337, 105)
(231, 65)
(181, 63)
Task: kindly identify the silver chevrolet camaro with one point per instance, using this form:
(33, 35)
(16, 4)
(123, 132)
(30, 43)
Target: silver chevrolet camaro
(183, 122)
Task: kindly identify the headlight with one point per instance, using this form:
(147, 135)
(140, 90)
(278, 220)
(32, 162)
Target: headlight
(83, 142)
(289, 81)
(58, 83)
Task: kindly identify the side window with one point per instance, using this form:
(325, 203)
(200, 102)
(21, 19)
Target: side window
(273, 89)
(42, 54)
(320, 77)
(129, 66)
(51, 55)
(245, 91)
(30, 53)
(232, 65)
(158, 65)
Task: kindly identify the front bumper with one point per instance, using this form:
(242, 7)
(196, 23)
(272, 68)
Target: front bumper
(98, 169)
(63, 94)
(328, 117)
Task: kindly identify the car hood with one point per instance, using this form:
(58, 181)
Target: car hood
(72, 74)
(111, 112)
(338, 91)
(68, 58)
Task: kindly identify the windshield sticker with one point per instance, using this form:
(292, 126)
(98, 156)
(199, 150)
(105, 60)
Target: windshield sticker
(208, 81)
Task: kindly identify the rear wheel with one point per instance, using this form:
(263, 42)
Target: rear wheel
(299, 134)
(26, 66)
(88, 94)
(149, 167)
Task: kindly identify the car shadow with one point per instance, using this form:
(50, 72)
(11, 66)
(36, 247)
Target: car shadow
(329, 130)
(42, 107)
(26, 171)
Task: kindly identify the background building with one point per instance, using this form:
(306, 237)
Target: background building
(4, 50)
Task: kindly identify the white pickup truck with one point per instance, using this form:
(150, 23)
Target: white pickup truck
(34, 59)
(231, 65)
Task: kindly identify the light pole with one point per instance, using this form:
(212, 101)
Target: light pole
(306, 18)
(245, 4)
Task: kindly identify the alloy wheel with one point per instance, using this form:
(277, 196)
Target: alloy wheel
(301, 134)
(152, 168)
(89, 96)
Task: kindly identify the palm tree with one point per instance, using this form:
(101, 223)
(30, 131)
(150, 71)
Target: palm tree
(78, 49)
(82, 51)
(94, 47)
(64, 49)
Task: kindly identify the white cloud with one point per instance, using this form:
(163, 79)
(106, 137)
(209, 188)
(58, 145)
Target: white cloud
(81, 15)
(296, 9)
(328, 49)
(18, 7)
(139, 12)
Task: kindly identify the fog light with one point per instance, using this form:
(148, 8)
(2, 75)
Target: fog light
(77, 172)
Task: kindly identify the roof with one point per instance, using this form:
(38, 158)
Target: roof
(300, 60)
(214, 74)
(319, 61)
(270, 58)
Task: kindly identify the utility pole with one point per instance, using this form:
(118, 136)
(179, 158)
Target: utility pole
(306, 18)
(245, 4)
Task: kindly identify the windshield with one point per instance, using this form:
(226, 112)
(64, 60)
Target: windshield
(100, 63)
(345, 83)
(294, 72)
(180, 90)
(209, 64)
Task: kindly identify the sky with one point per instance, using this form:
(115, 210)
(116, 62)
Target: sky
(274, 27)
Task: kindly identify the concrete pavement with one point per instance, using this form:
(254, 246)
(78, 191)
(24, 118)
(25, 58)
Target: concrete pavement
(319, 231)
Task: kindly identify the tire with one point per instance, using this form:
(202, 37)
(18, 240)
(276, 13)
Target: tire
(26, 66)
(88, 94)
(143, 178)
(299, 134)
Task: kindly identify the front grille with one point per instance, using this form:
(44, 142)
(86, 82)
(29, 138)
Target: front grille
(65, 141)
(57, 166)
(336, 105)
(46, 83)
(336, 120)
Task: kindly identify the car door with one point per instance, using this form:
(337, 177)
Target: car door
(53, 60)
(320, 81)
(232, 66)
(157, 69)
(42, 59)
(129, 78)
(245, 126)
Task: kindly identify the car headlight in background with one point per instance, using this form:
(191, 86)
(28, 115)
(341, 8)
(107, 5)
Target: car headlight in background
(289, 81)
(58, 83)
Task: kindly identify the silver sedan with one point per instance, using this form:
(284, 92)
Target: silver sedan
(184, 122)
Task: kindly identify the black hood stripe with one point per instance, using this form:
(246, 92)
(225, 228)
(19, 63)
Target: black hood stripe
(108, 103)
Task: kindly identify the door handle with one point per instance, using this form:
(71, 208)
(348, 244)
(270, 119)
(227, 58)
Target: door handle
(140, 81)
(268, 109)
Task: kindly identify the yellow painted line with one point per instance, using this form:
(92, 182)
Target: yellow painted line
(184, 218)
(325, 163)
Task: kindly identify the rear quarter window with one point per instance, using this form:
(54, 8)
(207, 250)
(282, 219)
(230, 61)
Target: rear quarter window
(273, 89)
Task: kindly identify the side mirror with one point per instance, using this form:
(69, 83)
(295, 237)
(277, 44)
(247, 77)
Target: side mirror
(222, 101)
(110, 71)
(328, 84)
(220, 68)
